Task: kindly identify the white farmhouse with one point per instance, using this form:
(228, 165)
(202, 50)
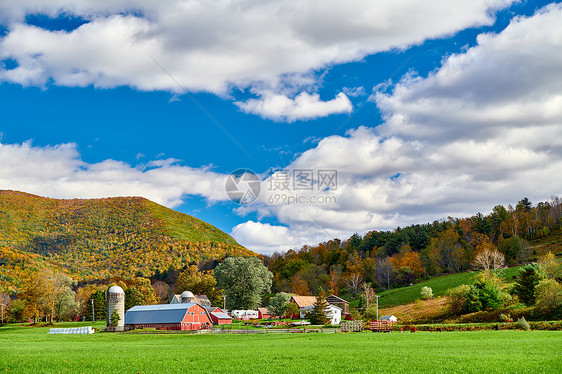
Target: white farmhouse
(332, 312)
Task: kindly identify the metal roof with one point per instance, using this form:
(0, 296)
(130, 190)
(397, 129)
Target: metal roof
(337, 299)
(383, 318)
(162, 313)
(221, 315)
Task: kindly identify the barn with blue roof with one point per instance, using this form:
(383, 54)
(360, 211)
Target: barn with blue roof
(185, 316)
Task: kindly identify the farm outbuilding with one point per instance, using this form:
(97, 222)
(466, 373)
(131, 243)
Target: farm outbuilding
(390, 318)
(189, 297)
(218, 316)
(263, 313)
(183, 316)
(116, 303)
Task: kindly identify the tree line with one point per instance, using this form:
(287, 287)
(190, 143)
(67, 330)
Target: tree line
(386, 259)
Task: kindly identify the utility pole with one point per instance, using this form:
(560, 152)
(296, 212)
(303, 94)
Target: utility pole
(93, 315)
(377, 298)
(224, 303)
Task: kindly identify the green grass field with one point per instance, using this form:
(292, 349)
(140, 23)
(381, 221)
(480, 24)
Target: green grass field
(439, 285)
(30, 350)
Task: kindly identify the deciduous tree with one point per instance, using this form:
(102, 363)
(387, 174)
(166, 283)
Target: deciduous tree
(198, 282)
(278, 304)
(244, 281)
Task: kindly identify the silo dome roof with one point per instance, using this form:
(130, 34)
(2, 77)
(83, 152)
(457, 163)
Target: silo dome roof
(186, 294)
(115, 289)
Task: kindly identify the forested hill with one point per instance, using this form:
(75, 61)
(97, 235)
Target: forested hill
(388, 259)
(95, 238)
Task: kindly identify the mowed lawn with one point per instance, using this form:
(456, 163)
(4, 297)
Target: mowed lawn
(31, 350)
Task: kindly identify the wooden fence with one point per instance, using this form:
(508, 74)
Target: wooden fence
(352, 326)
(381, 326)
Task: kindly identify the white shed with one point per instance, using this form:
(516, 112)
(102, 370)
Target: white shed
(390, 318)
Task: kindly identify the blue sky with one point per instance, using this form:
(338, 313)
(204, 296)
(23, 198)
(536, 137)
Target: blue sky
(423, 110)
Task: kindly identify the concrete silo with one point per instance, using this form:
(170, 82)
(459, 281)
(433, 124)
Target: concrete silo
(116, 302)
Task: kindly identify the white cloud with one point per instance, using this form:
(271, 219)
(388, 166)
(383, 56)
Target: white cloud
(303, 107)
(216, 46)
(58, 171)
(484, 129)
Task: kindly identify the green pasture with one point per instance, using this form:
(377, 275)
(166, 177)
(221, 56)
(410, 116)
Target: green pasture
(31, 350)
(439, 285)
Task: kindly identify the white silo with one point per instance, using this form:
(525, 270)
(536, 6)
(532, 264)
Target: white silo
(187, 297)
(116, 302)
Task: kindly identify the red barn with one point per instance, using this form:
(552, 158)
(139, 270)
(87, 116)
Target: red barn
(218, 317)
(263, 313)
(187, 316)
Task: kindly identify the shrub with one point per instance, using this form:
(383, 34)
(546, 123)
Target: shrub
(457, 297)
(549, 295)
(370, 314)
(426, 292)
(522, 323)
(506, 318)
(484, 294)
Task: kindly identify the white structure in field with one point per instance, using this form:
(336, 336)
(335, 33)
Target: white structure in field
(244, 314)
(116, 302)
(390, 318)
(332, 312)
(73, 330)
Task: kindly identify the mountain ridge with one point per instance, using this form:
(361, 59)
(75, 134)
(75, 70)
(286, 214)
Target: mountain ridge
(92, 239)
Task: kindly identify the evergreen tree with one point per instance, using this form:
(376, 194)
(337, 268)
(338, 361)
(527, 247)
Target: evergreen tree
(115, 317)
(484, 294)
(133, 297)
(100, 306)
(528, 279)
(318, 315)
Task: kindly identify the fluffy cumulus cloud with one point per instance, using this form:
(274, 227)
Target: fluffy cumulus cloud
(216, 46)
(59, 172)
(303, 106)
(485, 128)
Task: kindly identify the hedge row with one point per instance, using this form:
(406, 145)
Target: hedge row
(535, 325)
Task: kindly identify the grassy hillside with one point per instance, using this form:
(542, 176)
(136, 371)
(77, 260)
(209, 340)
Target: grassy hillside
(97, 238)
(551, 243)
(439, 285)
(405, 295)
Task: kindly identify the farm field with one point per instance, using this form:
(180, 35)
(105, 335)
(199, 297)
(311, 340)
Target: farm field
(31, 350)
